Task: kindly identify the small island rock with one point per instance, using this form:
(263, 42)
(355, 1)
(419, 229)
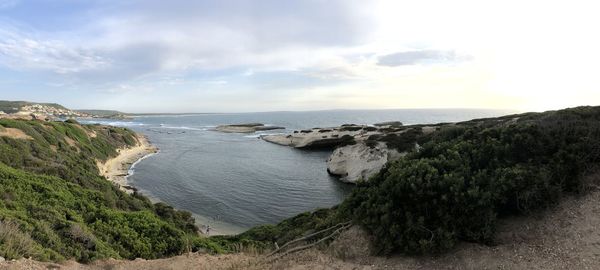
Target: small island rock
(245, 128)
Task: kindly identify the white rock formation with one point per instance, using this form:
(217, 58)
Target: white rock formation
(319, 137)
(353, 159)
(355, 162)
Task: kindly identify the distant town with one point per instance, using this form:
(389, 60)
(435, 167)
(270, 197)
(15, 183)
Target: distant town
(50, 112)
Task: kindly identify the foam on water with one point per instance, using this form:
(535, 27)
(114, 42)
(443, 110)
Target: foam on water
(131, 170)
(185, 128)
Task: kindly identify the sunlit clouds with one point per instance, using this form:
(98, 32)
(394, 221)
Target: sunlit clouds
(230, 56)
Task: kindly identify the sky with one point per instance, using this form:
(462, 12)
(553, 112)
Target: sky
(273, 55)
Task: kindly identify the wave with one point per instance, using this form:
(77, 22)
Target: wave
(114, 123)
(258, 134)
(186, 128)
(131, 170)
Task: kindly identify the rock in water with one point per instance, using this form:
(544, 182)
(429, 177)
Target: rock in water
(355, 162)
(389, 123)
(245, 128)
(318, 138)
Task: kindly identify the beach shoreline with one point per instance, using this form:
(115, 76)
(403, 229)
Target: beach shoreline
(117, 169)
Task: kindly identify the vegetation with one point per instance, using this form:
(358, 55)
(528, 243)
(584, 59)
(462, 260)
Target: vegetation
(350, 128)
(263, 237)
(454, 187)
(467, 176)
(460, 181)
(55, 206)
(402, 142)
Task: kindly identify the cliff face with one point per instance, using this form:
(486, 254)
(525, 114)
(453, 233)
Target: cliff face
(359, 151)
(359, 162)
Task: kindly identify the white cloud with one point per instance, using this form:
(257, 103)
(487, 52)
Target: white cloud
(261, 35)
(419, 57)
(25, 52)
(525, 55)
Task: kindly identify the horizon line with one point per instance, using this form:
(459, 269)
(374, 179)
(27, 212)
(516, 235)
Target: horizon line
(296, 111)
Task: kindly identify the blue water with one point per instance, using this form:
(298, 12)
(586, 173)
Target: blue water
(235, 181)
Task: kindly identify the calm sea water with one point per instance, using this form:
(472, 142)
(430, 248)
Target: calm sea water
(235, 181)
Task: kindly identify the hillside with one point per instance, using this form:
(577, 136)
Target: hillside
(106, 114)
(466, 177)
(462, 180)
(16, 106)
(562, 237)
(6, 105)
(55, 206)
(459, 194)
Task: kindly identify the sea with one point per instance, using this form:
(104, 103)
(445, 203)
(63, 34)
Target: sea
(232, 182)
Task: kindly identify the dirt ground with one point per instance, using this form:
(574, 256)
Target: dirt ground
(564, 237)
(14, 133)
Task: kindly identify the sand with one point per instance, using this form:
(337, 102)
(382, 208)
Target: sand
(117, 169)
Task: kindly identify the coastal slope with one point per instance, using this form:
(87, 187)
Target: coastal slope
(565, 237)
(116, 169)
(54, 204)
(512, 192)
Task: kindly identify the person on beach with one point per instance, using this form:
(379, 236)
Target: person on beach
(208, 230)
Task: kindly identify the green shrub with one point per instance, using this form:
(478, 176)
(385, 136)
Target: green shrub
(467, 176)
(66, 210)
(14, 243)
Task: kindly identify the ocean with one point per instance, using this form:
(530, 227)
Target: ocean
(233, 182)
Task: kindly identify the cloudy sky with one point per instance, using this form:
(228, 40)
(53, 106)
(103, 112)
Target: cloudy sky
(265, 55)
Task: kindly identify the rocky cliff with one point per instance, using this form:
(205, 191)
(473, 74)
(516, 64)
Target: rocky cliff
(359, 161)
(360, 151)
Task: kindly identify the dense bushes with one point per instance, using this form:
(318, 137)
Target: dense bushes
(63, 149)
(456, 186)
(264, 237)
(467, 176)
(54, 205)
(14, 243)
(69, 221)
(402, 142)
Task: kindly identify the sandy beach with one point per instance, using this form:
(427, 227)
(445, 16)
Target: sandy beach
(116, 169)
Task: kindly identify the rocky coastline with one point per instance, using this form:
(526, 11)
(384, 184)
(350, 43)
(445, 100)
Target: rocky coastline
(245, 128)
(359, 151)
